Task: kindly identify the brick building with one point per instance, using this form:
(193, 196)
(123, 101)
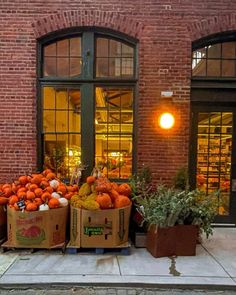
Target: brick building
(86, 81)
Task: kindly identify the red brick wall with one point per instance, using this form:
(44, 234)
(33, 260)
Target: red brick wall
(165, 30)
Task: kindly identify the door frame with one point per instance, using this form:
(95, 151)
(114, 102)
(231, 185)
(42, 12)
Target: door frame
(211, 107)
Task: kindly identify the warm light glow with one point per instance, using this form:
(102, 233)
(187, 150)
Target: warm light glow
(166, 120)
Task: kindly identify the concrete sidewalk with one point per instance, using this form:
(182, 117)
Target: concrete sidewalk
(214, 267)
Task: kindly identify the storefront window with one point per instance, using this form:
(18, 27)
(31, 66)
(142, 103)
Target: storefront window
(83, 122)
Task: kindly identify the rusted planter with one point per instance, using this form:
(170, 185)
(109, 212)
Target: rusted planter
(179, 240)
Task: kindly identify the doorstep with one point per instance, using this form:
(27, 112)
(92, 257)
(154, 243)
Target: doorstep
(211, 268)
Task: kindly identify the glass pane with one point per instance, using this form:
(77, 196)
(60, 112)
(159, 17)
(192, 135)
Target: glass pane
(228, 68)
(214, 51)
(74, 100)
(114, 48)
(62, 67)
(199, 53)
(102, 67)
(75, 47)
(214, 157)
(126, 117)
(75, 66)
(102, 47)
(48, 98)
(228, 50)
(50, 66)
(213, 68)
(127, 67)
(63, 48)
(127, 51)
(114, 67)
(111, 134)
(61, 99)
(199, 67)
(50, 50)
(126, 99)
(62, 121)
(49, 146)
(48, 121)
(74, 122)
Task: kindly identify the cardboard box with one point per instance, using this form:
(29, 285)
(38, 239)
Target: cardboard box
(75, 220)
(104, 228)
(3, 222)
(38, 229)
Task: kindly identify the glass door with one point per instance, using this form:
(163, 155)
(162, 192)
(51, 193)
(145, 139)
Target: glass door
(213, 157)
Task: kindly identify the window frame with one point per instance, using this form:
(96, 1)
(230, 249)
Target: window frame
(87, 83)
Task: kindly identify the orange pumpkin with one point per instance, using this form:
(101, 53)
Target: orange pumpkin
(37, 178)
(44, 184)
(62, 189)
(31, 207)
(46, 196)
(104, 201)
(53, 203)
(33, 186)
(49, 189)
(113, 194)
(7, 192)
(122, 201)
(90, 179)
(38, 201)
(38, 192)
(13, 199)
(30, 195)
(114, 186)
(21, 195)
(23, 180)
(46, 172)
(124, 189)
(50, 176)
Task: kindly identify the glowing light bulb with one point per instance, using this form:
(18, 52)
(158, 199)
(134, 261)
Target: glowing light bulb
(166, 121)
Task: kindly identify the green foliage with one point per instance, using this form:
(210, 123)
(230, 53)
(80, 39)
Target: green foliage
(170, 206)
(141, 183)
(180, 180)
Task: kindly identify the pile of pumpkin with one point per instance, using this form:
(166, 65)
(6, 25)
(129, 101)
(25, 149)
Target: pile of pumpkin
(100, 193)
(34, 192)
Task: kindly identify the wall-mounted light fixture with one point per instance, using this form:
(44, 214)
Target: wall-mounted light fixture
(166, 120)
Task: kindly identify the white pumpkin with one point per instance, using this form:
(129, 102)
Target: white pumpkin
(55, 195)
(54, 183)
(63, 202)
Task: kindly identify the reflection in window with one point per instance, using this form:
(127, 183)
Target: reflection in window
(62, 58)
(61, 130)
(114, 128)
(114, 59)
(214, 144)
(217, 60)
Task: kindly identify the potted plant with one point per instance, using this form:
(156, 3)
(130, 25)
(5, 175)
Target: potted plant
(175, 218)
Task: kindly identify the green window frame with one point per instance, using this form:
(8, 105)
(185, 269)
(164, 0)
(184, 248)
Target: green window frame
(62, 70)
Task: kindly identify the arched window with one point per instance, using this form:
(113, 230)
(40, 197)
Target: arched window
(86, 112)
(215, 60)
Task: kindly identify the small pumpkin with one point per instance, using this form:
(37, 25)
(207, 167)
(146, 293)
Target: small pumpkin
(13, 199)
(62, 189)
(90, 179)
(46, 196)
(31, 207)
(23, 180)
(122, 201)
(51, 176)
(124, 189)
(104, 201)
(38, 192)
(30, 195)
(53, 203)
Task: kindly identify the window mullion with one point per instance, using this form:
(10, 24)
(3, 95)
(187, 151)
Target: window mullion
(88, 55)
